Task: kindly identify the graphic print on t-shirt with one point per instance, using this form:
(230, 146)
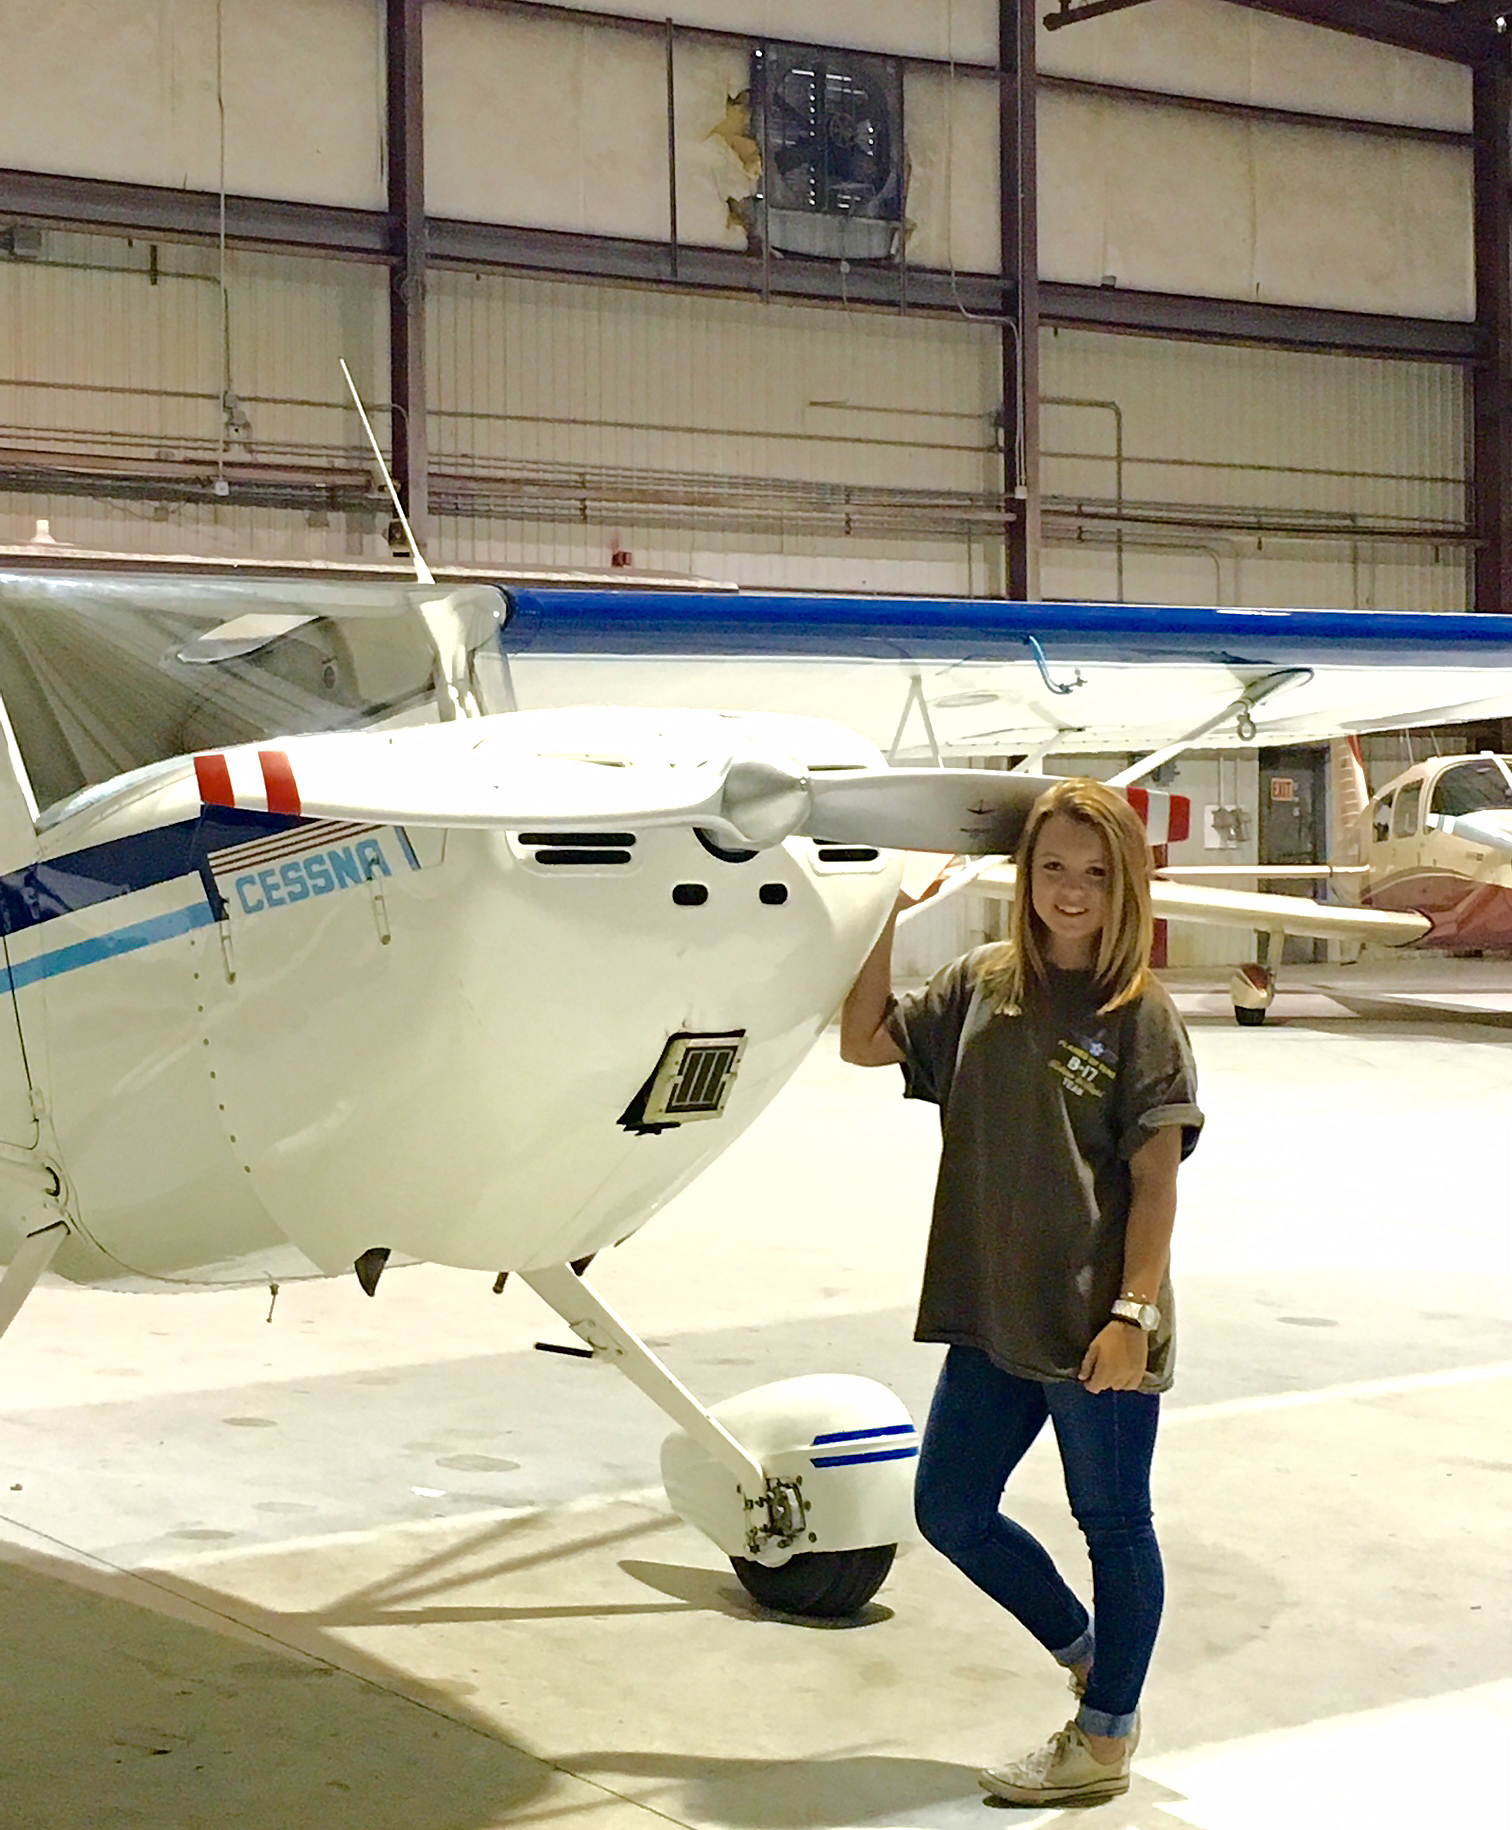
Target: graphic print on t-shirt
(1088, 1067)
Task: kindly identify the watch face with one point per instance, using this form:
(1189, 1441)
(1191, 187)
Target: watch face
(1144, 1315)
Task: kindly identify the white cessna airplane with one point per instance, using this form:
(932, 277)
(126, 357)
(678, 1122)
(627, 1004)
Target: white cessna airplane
(319, 952)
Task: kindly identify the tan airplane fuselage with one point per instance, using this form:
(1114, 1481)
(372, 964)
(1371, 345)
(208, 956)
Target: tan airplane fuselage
(1462, 885)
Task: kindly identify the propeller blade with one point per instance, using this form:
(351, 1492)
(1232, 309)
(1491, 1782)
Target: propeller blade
(950, 810)
(974, 812)
(442, 776)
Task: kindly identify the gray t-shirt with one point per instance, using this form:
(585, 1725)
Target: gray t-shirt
(1041, 1112)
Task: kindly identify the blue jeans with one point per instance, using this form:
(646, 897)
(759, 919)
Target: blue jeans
(980, 1424)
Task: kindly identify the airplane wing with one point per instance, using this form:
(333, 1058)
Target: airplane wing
(1251, 909)
(978, 676)
(919, 677)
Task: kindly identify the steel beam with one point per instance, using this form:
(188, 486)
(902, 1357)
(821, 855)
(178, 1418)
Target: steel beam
(1019, 240)
(1491, 385)
(408, 250)
(1435, 31)
(1132, 96)
(1305, 327)
(647, 24)
(1071, 14)
(568, 255)
(102, 206)
(319, 231)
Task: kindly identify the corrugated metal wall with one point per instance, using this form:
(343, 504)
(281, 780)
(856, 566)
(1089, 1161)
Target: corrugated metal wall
(778, 444)
(115, 360)
(1252, 476)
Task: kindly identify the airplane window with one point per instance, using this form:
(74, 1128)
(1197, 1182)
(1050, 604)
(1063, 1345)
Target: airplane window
(1380, 820)
(1472, 787)
(95, 683)
(1404, 822)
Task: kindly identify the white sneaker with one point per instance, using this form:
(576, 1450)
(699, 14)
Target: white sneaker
(1062, 1772)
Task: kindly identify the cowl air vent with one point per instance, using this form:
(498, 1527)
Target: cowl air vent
(830, 127)
(577, 848)
(830, 857)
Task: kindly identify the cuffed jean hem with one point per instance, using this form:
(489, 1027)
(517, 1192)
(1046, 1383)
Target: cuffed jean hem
(1100, 1722)
(1079, 1652)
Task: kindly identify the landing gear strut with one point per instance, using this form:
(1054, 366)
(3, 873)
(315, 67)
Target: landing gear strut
(806, 1485)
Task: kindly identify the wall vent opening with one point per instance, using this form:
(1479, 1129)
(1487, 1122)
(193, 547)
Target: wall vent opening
(830, 129)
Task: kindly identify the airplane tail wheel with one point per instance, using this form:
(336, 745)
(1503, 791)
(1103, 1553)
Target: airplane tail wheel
(822, 1584)
(1250, 1018)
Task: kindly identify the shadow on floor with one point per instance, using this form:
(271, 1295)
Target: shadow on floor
(781, 1795)
(118, 1715)
(718, 1592)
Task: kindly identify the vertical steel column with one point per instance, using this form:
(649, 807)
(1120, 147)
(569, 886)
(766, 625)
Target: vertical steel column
(1491, 454)
(1017, 183)
(407, 258)
(672, 230)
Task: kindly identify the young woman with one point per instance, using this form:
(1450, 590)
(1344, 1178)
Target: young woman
(1067, 1096)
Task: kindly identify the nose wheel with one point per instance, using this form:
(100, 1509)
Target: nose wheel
(822, 1585)
(1252, 990)
(806, 1485)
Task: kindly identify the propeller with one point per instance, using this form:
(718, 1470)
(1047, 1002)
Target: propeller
(445, 775)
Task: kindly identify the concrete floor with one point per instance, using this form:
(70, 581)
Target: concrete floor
(381, 1566)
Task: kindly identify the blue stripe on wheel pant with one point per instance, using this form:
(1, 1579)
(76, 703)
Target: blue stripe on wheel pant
(849, 1461)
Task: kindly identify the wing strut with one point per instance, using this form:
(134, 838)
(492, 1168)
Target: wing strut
(916, 697)
(1240, 709)
(446, 615)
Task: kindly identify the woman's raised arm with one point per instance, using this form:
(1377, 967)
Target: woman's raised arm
(863, 1040)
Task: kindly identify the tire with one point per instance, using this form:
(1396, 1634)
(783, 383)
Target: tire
(1250, 1018)
(821, 1584)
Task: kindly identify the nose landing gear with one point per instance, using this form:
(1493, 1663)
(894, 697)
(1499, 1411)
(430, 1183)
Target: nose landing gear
(1252, 990)
(806, 1485)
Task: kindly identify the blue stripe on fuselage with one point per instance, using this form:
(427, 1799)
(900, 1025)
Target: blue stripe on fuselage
(723, 623)
(130, 939)
(78, 880)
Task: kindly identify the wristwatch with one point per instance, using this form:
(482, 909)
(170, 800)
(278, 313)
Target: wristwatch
(1144, 1316)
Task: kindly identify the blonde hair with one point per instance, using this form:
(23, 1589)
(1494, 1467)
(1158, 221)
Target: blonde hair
(1122, 967)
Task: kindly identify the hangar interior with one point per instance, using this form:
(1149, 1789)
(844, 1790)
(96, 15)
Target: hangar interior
(1249, 367)
(1135, 301)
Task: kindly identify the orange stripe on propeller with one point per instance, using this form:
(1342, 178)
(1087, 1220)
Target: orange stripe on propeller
(213, 773)
(278, 780)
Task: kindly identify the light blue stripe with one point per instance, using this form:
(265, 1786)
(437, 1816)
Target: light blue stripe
(106, 946)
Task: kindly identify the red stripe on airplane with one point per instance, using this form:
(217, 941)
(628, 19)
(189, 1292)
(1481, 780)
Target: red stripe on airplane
(278, 780)
(1139, 800)
(213, 773)
(1180, 819)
